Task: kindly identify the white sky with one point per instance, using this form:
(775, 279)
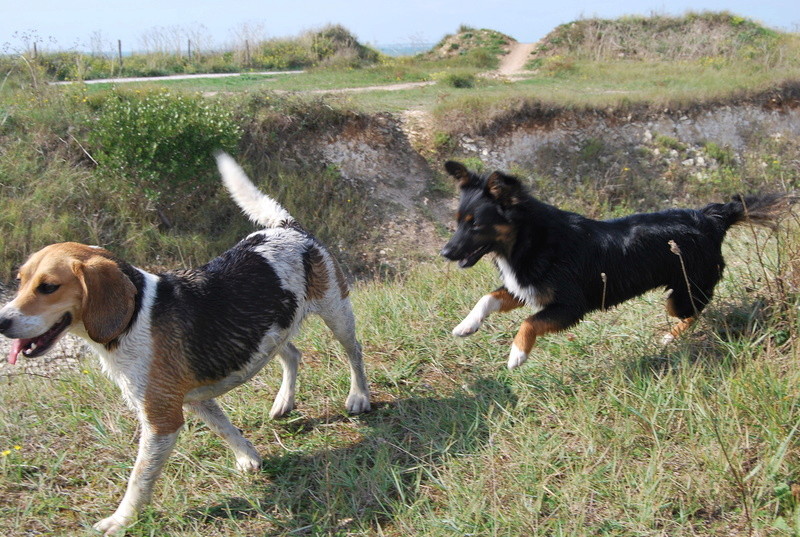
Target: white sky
(72, 24)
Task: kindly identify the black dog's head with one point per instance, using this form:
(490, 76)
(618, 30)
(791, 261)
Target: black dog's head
(484, 223)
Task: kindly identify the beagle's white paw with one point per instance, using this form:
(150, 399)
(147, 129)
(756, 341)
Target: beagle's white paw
(283, 405)
(112, 525)
(248, 464)
(357, 403)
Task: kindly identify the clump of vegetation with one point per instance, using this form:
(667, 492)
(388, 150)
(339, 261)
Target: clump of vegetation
(695, 36)
(334, 45)
(479, 48)
(458, 79)
(160, 144)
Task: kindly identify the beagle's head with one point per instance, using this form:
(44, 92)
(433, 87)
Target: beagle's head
(62, 287)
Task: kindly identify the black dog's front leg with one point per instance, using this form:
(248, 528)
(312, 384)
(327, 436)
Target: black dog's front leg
(498, 300)
(553, 318)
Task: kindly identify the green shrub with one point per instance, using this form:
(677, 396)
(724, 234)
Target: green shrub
(163, 142)
(333, 40)
(482, 58)
(668, 142)
(724, 155)
(459, 79)
(283, 54)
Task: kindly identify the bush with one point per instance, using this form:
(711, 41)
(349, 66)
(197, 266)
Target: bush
(482, 58)
(161, 144)
(283, 54)
(459, 79)
(333, 40)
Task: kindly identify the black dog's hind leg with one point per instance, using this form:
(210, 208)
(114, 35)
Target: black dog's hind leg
(686, 306)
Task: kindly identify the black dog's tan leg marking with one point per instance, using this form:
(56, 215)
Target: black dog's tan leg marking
(553, 318)
(686, 308)
(529, 330)
(498, 300)
(677, 330)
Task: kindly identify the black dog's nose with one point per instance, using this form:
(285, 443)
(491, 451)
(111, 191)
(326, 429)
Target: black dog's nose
(5, 324)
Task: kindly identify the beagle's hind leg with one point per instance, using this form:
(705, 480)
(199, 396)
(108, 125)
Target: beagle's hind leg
(289, 357)
(338, 316)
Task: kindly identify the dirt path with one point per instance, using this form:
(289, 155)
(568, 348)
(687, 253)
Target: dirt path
(514, 62)
(173, 77)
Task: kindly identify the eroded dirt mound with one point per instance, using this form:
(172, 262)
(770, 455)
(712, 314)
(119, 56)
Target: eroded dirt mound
(469, 39)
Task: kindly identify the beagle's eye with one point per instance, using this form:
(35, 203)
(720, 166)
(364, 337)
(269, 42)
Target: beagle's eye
(47, 288)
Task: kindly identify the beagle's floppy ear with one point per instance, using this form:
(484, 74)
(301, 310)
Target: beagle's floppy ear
(108, 298)
(506, 189)
(461, 174)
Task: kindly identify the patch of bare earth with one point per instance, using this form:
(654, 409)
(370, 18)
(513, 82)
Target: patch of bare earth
(513, 63)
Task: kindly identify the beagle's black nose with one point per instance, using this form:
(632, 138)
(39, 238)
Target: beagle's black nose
(5, 324)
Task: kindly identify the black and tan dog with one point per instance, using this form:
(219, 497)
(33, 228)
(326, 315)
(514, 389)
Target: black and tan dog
(564, 265)
(175, 341)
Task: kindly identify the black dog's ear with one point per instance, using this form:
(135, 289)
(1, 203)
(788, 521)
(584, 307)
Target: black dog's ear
(461, 174)
(507, 190)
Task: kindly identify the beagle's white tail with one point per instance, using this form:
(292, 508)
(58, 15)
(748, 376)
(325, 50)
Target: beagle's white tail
(259, 207)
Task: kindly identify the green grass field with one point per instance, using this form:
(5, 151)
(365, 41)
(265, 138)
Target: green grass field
(580, 83)
(602, 432)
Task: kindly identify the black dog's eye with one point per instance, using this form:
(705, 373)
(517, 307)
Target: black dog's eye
(47, 288)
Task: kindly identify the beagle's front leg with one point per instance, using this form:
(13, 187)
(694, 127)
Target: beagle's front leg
(154, 449)
(498, 300)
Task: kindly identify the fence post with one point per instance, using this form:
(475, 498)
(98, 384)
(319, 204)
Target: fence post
(189, 48)
(119, 52)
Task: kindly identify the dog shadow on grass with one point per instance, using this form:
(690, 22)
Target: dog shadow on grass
(404, 444)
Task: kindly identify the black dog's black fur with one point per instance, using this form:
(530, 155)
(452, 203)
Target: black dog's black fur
(575, 265)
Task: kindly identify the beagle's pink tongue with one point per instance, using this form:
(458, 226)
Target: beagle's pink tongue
(16, 347)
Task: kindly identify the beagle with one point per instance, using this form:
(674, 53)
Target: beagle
(175, 341)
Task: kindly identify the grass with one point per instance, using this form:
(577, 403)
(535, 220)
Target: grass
(579, 83)
(329, 79)
(602, 432)
(457, 107)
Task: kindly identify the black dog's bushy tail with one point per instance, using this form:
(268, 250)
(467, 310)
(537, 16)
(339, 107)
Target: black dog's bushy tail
(764, 210)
